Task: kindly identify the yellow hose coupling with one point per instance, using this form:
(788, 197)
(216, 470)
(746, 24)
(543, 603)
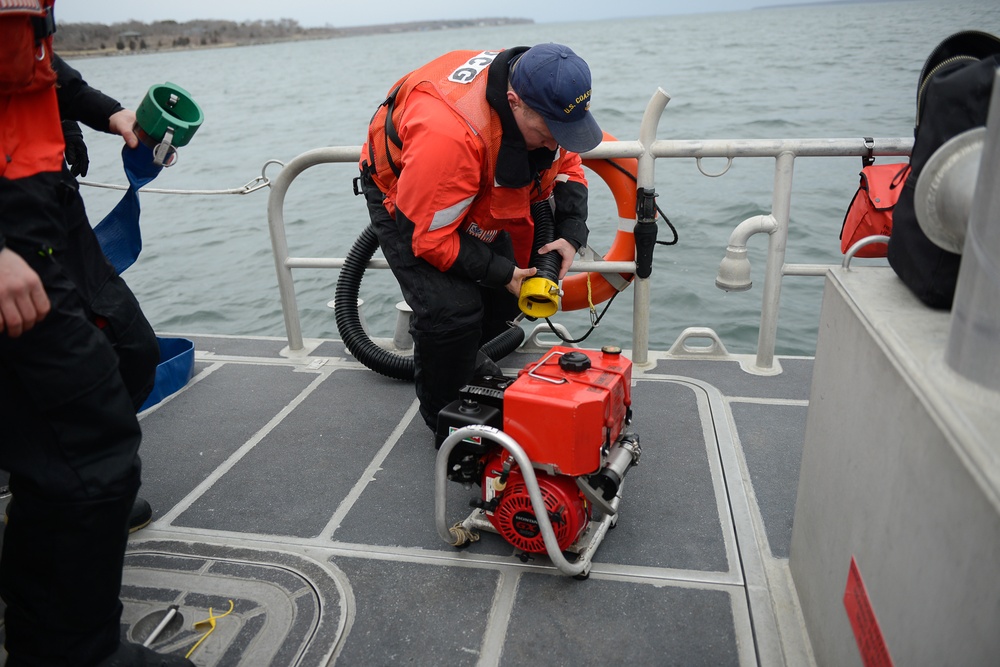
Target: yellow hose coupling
(539, 297)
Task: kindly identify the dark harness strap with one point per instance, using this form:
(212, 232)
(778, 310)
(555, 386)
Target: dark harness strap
(390, 131)
(44, 25)
(368, 169)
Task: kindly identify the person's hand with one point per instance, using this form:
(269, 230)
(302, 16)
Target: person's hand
(23, 301)
(514, 286)
(566, 251)
(122, 123)
(76, 149)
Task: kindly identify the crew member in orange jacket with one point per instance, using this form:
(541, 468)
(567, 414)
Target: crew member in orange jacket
(69, 431)
(454, 158)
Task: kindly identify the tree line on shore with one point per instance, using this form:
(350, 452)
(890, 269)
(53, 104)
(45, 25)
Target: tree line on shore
(137, 36)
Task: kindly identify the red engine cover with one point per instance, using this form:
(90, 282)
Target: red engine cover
(562, 417)
(514, 517)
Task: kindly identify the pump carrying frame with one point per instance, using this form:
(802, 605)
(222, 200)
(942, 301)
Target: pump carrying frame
(462, 533)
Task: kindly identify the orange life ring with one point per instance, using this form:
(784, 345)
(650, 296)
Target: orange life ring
(574, 287)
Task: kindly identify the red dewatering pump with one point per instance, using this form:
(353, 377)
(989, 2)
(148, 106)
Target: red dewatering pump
(569, 414)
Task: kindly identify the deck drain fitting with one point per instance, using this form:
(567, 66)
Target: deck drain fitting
(142, 628)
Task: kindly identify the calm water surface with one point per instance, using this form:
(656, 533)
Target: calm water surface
(799, 72)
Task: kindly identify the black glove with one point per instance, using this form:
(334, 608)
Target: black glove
(76, 149)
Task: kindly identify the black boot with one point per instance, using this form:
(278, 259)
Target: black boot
(140, 516)
(61, 578)
(443, 364)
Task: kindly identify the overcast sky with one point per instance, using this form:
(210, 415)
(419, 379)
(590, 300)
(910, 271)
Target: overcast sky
(313, 13)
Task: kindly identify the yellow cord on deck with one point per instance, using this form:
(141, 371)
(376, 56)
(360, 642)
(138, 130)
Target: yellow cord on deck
(210, 621)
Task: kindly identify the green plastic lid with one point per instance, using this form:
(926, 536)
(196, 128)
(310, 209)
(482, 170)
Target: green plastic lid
(165, 106)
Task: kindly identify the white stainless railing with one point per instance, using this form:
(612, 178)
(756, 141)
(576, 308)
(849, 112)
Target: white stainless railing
(647, 149)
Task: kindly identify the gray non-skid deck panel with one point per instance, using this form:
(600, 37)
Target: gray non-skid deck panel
(396, 508)
(285, 607)
(431, 615)
(729, 378)
(292, 481)
(667, 516)
(416, 614)
(556, 621)
(238, 347)
(335, 348)
(772, 437)
(189, 436)
(332, 348)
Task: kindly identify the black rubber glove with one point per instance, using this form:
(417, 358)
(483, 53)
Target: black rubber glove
(76, 149)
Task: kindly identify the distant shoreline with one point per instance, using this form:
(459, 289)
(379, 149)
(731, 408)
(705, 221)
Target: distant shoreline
(83, 40)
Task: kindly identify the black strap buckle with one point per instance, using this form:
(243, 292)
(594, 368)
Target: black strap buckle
(645, 206)
(365, 177)
(44, 25)
(869, 160)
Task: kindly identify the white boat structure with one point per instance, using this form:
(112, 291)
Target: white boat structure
(836, 510)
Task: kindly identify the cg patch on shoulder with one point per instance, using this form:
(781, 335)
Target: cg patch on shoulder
(472, 67)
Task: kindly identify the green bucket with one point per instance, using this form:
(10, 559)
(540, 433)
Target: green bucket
(168, 106)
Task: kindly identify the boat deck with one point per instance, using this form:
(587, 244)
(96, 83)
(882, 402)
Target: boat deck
(302, 490)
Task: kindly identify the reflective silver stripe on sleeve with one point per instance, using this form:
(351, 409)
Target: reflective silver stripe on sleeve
(447, 216)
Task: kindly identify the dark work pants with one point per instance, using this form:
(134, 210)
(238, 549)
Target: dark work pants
(453, 316)
(70, 438)
(114, 308)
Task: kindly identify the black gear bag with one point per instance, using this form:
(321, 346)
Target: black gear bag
(953, 96)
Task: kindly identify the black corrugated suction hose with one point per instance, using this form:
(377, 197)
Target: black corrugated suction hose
(363, 348)
(548, 265)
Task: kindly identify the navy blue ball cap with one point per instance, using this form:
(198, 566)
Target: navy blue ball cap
(555, 82)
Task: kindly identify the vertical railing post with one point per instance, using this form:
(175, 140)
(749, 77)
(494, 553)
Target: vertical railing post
(781, 204)
(279, 246)
(279, 243)
(645, 236)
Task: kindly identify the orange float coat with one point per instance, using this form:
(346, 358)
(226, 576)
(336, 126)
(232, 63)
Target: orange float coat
(30, 131)
(31, 140)
(450, 159)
